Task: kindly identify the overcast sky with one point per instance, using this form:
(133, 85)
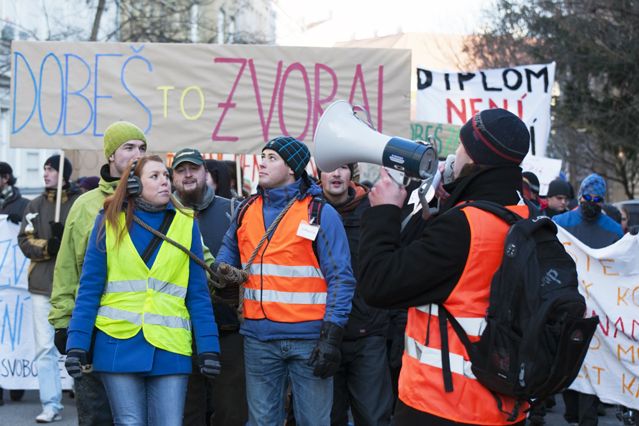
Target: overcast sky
(307, 22)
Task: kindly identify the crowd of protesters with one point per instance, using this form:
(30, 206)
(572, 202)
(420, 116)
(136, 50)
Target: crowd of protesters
(176, 301)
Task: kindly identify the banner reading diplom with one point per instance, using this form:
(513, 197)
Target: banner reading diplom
(218, 98)
(454, 97)
(18, 369)
(609, 280)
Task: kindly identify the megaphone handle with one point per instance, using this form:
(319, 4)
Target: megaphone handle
(430, 182)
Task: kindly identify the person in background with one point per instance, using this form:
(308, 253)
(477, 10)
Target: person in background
(559, 192)
(39, 239)
(362, 383)
(87, 183)
(227, 392)
(612, 212)
(298, 295)
(595, 229)
(625, 220)
(123, 141)
(146, 297)
(587, 222)
(12, 203)
(220, 180)
(531, 189)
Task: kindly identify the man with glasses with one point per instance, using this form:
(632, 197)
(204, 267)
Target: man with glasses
(587, 222)
(592, 227)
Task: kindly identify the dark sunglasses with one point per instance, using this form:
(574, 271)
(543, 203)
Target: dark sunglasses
(593, 199)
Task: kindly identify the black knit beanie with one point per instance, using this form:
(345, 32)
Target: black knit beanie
(54, 163)
(495, 137)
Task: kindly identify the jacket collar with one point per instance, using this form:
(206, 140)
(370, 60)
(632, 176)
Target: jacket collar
(280, 196)
(499, 184)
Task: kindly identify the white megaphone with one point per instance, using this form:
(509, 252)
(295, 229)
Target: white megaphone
(341, 137)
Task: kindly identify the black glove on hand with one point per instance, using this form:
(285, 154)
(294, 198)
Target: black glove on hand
(53, 246)
(57, 228)
(60, 340)
(327, 355)
(77, 361)
(209, 364)
(53, 243)
(231, 276)
(14, 218)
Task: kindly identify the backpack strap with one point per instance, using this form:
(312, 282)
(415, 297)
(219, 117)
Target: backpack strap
(242, 208)
(315, 210)
(444, 318)
(314, 217)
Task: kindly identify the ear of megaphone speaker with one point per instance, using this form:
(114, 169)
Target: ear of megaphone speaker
(342, 138)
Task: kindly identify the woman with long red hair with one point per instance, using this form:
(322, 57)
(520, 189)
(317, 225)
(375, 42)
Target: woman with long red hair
(140, 301)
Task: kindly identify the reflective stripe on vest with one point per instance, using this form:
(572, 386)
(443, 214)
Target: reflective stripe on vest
(286, 283)
(433, 357)
(285, 271)
(472, 326)
(421, 384)
(141, 285)
(138, 298)
(285, 297)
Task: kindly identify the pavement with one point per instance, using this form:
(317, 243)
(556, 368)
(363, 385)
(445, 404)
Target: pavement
(24, 412)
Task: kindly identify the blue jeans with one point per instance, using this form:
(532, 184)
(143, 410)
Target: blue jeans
(146, 400)
(269, 368)
(46, 356)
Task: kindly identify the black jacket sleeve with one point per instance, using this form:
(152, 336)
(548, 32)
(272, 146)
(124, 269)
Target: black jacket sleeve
(424, 271)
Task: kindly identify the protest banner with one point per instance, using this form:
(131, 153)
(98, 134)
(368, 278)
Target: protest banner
(217, 98)
(445, 136)
(609, 280)
(17, 349)
(546, 170)
(454, 97)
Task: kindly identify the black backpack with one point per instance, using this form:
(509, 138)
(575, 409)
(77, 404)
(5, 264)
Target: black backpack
(536, 337)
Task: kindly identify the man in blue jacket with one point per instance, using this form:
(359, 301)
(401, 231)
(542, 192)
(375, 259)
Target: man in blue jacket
(587, 222)
(593, 228)
(298, 295)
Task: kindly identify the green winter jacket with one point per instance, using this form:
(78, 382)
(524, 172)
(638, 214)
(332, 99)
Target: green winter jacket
(68, 265)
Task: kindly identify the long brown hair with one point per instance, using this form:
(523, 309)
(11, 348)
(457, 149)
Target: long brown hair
(113, 204)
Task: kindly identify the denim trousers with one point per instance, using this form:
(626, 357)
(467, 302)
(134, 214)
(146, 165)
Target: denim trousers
(46, 355)
(270, 366)
(363, 384)
(138, 400)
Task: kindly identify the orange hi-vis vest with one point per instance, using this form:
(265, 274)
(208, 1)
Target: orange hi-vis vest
(421, 383)
(285, 282)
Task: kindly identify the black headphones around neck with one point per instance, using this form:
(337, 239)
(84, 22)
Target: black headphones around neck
(133, 182)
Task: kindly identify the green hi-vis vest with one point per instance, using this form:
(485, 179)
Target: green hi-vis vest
(136, 297)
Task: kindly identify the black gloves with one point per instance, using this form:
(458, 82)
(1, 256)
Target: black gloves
(327, 355)
(209, 364)
(230, 276)
(77, 363)
(53, 243)
(53, 246)
(15, 218)
(60, 340)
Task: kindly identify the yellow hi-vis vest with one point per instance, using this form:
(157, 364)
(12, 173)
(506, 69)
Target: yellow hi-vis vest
(136, 297)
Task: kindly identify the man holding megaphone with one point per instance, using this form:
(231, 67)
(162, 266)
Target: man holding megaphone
(434, 269)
